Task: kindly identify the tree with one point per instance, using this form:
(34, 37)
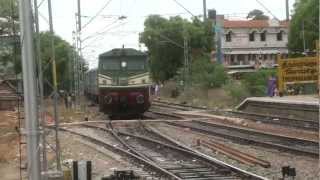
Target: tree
(305, 18)
(9, 48)
(63, 54)
(256, 83)
(257, 14)
(8, 14)
(208, 74)
(164, 39)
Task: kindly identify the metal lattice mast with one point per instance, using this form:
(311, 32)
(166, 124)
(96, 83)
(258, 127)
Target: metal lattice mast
(29, 85)
(55, 88)
(40, 85)
(80, 53)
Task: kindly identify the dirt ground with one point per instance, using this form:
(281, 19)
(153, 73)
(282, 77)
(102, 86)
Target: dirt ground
(9, 146)
(9, 138)
(212, 98)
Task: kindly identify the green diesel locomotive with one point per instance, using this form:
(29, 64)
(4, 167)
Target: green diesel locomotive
(121, 83)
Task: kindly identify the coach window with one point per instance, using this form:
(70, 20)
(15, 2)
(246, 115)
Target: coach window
(263, 36)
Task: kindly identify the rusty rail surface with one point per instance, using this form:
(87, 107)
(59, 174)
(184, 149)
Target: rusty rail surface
(234, 153)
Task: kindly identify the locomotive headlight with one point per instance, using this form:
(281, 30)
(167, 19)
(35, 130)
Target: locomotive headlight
(140, 99)
(123, 64)
(108, 99)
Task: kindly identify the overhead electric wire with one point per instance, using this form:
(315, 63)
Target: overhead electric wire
(101, 33)
(258, 1)
(184, 8)
(98, 32)
(97, 14)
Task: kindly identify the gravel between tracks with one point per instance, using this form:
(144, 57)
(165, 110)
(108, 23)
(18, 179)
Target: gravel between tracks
(307, 168)
(276, 129)
(74, 147)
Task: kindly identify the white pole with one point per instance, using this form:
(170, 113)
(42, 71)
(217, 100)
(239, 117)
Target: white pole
(29, 86)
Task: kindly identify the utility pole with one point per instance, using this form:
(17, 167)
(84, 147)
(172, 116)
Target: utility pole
(186, 61)
(303, 37)
(29, 85)
(55, 88)
(204, 10)
(75, 68)
(40, 86)
(287, 10)
(80, 64)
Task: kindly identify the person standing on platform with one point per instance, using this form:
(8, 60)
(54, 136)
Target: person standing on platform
(272, 85)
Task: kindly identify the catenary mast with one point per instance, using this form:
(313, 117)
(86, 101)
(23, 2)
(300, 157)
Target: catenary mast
(29, 86)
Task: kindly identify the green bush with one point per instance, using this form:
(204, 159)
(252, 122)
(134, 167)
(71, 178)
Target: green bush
(236, 90)
(257, 82)
(208, 74)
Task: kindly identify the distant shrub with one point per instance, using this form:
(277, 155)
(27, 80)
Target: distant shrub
(208, 74)
(256, 83)
(236, 90)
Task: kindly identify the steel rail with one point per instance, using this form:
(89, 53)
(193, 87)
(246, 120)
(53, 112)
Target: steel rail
(188, 152)
(268, 119)
(278, 120)
(247, 174)
(217, 130)
(118, 150)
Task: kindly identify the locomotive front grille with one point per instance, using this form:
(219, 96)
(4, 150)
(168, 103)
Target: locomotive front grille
(123, 81)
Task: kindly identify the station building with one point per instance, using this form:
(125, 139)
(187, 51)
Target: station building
(253, 42)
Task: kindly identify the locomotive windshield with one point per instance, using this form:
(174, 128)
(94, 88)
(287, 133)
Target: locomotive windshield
(110, 65)
(136, 64)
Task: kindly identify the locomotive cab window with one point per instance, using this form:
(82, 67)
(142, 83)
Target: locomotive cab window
(136, 64)
(110, 65)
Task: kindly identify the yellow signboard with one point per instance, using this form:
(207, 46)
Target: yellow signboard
(297, 70)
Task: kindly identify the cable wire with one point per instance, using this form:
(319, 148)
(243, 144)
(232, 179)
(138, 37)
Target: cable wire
(267, 10)
(184, 8)
(97, 14)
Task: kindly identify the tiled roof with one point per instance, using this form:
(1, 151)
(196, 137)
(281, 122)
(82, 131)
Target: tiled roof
(251, 23)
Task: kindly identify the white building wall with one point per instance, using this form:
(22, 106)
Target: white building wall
(240, 44)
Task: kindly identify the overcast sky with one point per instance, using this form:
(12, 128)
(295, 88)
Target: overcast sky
(125, 32)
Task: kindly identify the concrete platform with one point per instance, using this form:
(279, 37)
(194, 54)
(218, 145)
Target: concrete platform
(300, 107)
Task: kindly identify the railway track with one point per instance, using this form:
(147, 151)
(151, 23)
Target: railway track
(182, 107)
(256, 117)
(173, 159)
(278, 120)
(294, 145)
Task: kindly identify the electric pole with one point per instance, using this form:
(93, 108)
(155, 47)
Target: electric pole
(79, 45)
(40, 86)
(287, 10)
(55, 88)
(303, 38)
(186, 61)
(204, 10)
(29, 85)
